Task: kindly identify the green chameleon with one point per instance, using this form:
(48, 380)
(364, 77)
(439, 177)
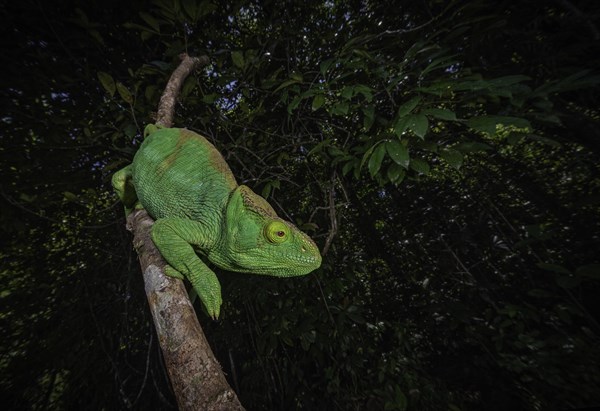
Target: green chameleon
(187, 187)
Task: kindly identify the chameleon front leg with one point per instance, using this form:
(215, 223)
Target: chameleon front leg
(174, 238)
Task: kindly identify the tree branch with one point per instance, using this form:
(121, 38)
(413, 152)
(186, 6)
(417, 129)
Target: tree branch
(166, 106)
(196, 376)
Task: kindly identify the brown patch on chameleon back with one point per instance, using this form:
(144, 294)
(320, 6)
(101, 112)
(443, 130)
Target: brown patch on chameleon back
(166, 163)
(216, 160)
(206, 151)
(184, 135)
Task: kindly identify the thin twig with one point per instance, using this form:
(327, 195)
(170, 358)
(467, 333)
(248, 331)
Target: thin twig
(332, 215)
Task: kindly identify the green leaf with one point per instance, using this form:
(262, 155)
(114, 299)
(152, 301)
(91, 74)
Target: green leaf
(348, 167)
(284, 84)
(347, 92)
(508, 80)
(124, 93)
(310, 92)
(472, 147)
(146, 35)
(28, 198)
(549, 119)
(107, 82)
(453, 157)
(336, 152)
(401, 125)
(440, 113)
(544, 140)
(487, 124)
(538, 293)
(144, 29)
(70, 196)
(399, 402)
(439, 62)
(266, 191)
(365, 157)
(206, 7)
(398, 153)
(376, 159)
(294, 104)
(130, 130)
(151, 21)
(269, 187)
(324, 66)
(395, 173)
(366, 91)
(419, 47)
(590, 271)
(515, 138)
(340, 109)
(362, 53)
(408, 106)
(568, 282)
(427, 145)
(419, 124)
(319, 147)
(420, 166)
(296, 76)
(318, 101)
(369, 119)
(191, 9)
(163, 65)
(150, 92)
(238, 59)
(554, 268)
(209, 98)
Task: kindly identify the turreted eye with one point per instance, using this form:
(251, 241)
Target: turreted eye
(276, 232)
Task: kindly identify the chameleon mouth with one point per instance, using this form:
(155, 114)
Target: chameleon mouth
(294, 265)
(309, 261)
(305, 263)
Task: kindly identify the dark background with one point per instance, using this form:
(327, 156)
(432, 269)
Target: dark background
(447, 151)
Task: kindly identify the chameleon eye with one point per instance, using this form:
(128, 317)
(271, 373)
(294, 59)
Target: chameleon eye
(276, 232)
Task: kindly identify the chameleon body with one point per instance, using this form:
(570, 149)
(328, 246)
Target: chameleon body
(187, 187)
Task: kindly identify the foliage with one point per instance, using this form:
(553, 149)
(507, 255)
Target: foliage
(448, 149)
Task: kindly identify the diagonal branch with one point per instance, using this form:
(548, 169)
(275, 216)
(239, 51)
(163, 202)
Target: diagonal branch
(196, 376)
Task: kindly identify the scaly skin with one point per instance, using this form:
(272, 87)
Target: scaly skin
(186, 186)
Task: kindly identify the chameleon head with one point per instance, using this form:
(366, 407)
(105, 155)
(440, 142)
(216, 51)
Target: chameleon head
(255, 240)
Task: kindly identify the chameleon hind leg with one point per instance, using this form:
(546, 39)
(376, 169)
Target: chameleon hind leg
(123, 186)
(175, 238)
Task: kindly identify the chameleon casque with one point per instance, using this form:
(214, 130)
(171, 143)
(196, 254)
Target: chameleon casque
(185, 184)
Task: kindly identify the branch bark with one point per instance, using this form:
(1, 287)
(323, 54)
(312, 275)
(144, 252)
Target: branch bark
(166, 106)
(196, 376)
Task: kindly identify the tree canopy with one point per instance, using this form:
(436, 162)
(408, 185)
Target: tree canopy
(443, 155)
